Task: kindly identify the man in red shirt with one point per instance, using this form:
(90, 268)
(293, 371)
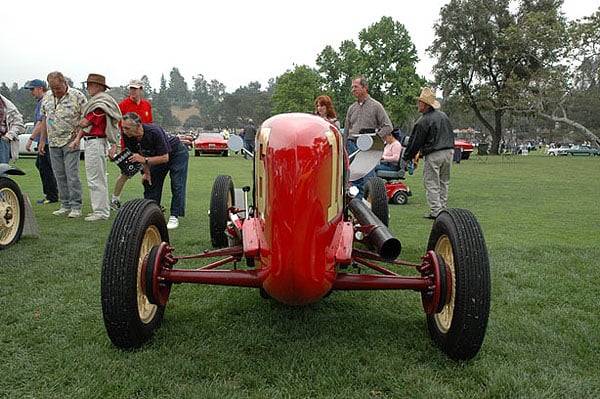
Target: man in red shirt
(133, 103)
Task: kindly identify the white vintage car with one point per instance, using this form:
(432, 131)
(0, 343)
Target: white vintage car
(24, 137)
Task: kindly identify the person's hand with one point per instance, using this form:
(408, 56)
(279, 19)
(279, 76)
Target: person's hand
(74, 144)
(28, 145)
(42, 148)
(146, 178)
(112, 152)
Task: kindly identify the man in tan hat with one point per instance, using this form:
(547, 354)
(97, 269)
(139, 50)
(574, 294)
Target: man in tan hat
(433, 136)
(99, 127)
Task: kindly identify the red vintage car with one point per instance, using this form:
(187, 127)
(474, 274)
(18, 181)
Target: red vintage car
(297, 235)
(210, 143)
(465, 147)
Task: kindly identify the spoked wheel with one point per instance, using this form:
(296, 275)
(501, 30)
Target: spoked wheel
(129, 317)
(376, 196)
(12, 212)
(460, 327)
(221, 199)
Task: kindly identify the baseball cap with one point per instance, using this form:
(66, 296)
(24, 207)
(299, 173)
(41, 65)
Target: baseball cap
(35, 83)
(136, 84)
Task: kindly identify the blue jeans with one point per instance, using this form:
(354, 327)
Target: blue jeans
(249, 146)
(177, 168)
(4, 151)
(387, 166)
(44, 165)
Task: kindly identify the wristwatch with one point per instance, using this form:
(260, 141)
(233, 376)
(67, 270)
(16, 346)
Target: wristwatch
(146, 160)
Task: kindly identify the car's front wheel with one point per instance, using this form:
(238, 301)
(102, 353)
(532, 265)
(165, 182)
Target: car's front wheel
(12, 212)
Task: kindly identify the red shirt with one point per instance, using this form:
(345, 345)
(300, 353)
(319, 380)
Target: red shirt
(143, 109)
(98, 119)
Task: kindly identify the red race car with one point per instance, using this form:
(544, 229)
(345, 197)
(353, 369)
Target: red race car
(297, 235)
(210, 143)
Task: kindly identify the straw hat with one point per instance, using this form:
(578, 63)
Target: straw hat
(96, 78)
(428, 97)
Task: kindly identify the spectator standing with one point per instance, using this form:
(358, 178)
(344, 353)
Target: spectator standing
(365, 113)
(11, 125)
(159, 153)
(132, 103)
(99, 127)
(249, 134)
(61, 110)
(324, 108)
(434, 137)
(38, 89)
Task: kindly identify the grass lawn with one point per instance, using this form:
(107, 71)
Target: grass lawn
(541, 219)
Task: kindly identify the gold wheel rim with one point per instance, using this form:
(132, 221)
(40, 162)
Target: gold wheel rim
(10, 214)
(146, 310)
(443, 247)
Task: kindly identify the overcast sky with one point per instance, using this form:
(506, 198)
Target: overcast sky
(232, 41)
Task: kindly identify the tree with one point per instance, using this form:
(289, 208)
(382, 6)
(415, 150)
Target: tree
(571, 94)
(387, 58)
(296, 90)
(178, 91)
(488, 57)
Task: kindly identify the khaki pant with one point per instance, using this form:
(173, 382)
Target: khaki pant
(436, 179)
(95, 170)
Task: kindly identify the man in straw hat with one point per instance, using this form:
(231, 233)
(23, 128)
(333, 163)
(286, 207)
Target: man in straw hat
(433, 136)
(100, 130)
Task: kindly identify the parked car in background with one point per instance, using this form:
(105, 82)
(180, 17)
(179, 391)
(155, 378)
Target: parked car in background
(465, 147)
(585, 150)
(553, 152)
(187, 140)
(210, 143)
(24, 138)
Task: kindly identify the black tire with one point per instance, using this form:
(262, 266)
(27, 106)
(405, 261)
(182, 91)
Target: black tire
(221, 199)
(12, 206)
(225, 153)
(460, 327)
(196, 153)
(400, 198)
(376, 196)
(129, 317)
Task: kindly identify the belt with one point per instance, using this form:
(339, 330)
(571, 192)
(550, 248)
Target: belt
(86, 138)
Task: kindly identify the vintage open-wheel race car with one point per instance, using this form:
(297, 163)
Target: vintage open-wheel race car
(12, 207)
(298, 234)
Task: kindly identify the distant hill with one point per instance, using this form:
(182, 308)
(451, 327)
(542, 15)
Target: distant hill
(183, 113)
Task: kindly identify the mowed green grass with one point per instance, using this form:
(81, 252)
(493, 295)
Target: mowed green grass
(541, 220)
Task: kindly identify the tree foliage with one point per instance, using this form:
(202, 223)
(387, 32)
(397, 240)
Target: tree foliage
(296, 90)
(489, 58)
(387, 58)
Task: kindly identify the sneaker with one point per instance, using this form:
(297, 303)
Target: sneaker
(115, 205)
(43, 201)
(47, 201)
(173, 223)
(61, 212)
(94, 217)
(75, 213)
